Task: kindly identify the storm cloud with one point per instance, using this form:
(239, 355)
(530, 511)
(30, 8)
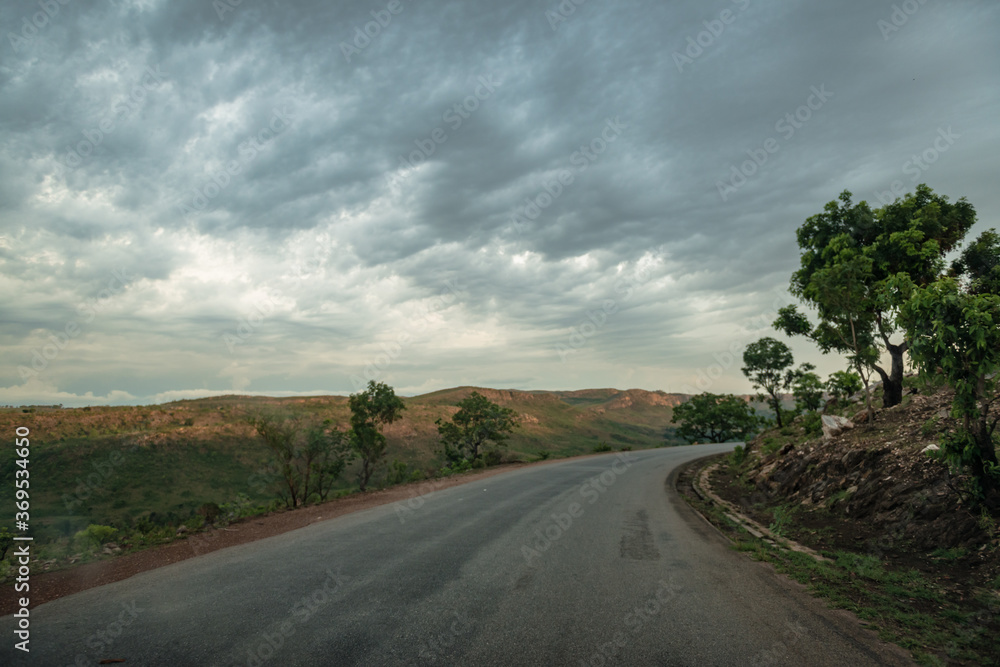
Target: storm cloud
(294, 197)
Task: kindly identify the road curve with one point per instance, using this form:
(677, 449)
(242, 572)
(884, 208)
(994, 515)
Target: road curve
(592, 561)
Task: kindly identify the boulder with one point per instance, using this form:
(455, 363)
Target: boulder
(834, 426)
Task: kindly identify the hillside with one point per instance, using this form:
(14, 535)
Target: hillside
(117, 465)
(910, 550)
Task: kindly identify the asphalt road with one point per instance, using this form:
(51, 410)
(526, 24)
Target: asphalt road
(586, 562)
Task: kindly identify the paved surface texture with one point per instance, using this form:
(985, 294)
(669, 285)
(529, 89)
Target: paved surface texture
(593, 561)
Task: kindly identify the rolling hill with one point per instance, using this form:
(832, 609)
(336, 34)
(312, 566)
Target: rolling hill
(118, 465)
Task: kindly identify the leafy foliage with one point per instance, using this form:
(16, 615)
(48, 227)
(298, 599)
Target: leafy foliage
(371, 410)
(479, 422)
(979, 264)
(95, 535)
(956, 334)
(807, 388)
(843, 384)
(279, 433)
(767, 363)
(309, 458)
(849, 253)
(715, 418)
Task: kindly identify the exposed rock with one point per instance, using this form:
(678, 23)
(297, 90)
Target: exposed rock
(834, 426)
(931, 448)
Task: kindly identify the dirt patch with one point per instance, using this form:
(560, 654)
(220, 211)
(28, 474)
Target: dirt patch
(49, 586)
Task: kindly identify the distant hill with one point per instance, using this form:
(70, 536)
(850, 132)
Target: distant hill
(103, 464)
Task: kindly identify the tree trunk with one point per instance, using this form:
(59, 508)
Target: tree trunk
(777, 408)
(892, 385)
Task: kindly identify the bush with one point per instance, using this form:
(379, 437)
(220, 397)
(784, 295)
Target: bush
(813, 424)
(738, 456)
(238, 508)
(94, 536)
(456, 467)
(492, 457)
(209, 511)
(398, 473)
(602, 447)
(770, 446)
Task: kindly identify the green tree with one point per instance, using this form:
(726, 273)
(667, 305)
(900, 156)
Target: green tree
(807, 388)
(849, 252)
(371, 410)
(979, 264)
(478, 422)
(843, 384)
(715, 418)
(280, 433)
(956, 334)
(327, 453)
(767, 363)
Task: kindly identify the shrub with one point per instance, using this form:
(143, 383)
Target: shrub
(94, 536)
(209, 511)
(770, 446)
(398, 473)
(738, 456)
(602, 447)
(813, 424)
(492, 457)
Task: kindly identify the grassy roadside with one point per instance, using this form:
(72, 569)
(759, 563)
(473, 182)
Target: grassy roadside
(940, 621)
(98, 543)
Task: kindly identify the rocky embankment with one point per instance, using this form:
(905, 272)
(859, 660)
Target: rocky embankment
(883, 479)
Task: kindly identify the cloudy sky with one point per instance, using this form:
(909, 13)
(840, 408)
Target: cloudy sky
(272, 197)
